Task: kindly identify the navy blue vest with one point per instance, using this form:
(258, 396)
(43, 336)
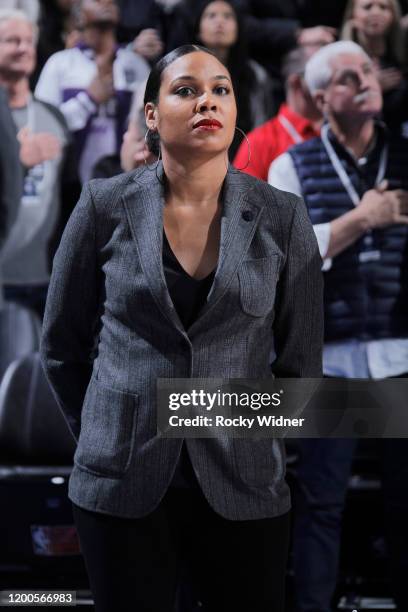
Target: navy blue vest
(365, 300)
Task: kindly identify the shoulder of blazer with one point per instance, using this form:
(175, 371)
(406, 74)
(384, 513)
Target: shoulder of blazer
(106, 193)
(281, 208)
(280, 205)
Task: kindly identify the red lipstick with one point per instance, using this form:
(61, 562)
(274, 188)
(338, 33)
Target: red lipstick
(209, 124)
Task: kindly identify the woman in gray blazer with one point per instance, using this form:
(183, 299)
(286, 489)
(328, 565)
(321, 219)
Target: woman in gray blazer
(187, 270)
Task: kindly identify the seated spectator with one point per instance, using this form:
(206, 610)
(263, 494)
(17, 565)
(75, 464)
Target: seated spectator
(218, 28)
(375, 25)
(354, 182)
(134, 151)
(298, 120)
(42, 134)
(92, 85)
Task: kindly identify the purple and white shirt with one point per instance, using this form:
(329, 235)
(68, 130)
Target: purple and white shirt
(97, 129)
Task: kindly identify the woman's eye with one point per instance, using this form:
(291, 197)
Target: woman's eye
(221, 90)
(184, 91)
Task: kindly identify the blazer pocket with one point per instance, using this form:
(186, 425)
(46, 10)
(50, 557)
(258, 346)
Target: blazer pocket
(257, 285)
(257, 462)
(108, 430)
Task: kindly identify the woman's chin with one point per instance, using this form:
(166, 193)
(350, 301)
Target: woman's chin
(198, 150)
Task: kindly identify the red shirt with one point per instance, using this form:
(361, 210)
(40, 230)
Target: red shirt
(270, 140)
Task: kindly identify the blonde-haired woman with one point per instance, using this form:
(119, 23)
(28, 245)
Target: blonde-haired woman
(376, 26)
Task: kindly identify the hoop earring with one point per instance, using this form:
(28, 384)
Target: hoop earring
(144, 154)
(248, 145)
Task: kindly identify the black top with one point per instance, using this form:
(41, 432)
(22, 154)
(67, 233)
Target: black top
(188, 296)
(187, 293)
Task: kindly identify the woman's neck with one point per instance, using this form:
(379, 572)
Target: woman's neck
(195, 183)
(354, 135)
(18, 91)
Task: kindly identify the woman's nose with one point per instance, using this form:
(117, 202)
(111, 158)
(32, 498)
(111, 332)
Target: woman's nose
(206, 102)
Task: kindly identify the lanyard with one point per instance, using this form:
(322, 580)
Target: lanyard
(342, 174)
(291, 130)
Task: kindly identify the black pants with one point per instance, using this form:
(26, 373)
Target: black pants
(134, 564)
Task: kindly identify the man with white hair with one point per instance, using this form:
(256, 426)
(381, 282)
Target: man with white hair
(42, 133)
(354, 181)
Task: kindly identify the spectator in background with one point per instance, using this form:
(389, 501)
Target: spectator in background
(58, 30)
(298, 120)
(375, 25)
(274, 27)
(218, 27)
(93, 83)
(354, 182)
(136, 16)
(155, 26)
(42, 134)
(134, 151)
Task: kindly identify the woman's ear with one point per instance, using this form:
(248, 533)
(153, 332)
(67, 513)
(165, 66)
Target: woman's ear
(151, 116)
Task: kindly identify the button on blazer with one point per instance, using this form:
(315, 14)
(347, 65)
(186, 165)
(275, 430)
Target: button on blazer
(111, 330)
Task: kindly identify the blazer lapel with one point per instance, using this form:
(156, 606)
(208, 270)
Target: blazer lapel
(144, 202)
(239, 220)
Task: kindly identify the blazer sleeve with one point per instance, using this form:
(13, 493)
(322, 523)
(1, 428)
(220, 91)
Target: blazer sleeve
(298, 324)
(71, 313)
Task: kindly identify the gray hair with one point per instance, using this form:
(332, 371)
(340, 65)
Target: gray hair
(319, 71)
(9, 14)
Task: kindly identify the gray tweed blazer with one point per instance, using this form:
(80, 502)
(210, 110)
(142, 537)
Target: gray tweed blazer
(110, 330)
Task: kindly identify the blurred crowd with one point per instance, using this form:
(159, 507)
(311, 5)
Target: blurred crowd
(72, 77)
(74, 73)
